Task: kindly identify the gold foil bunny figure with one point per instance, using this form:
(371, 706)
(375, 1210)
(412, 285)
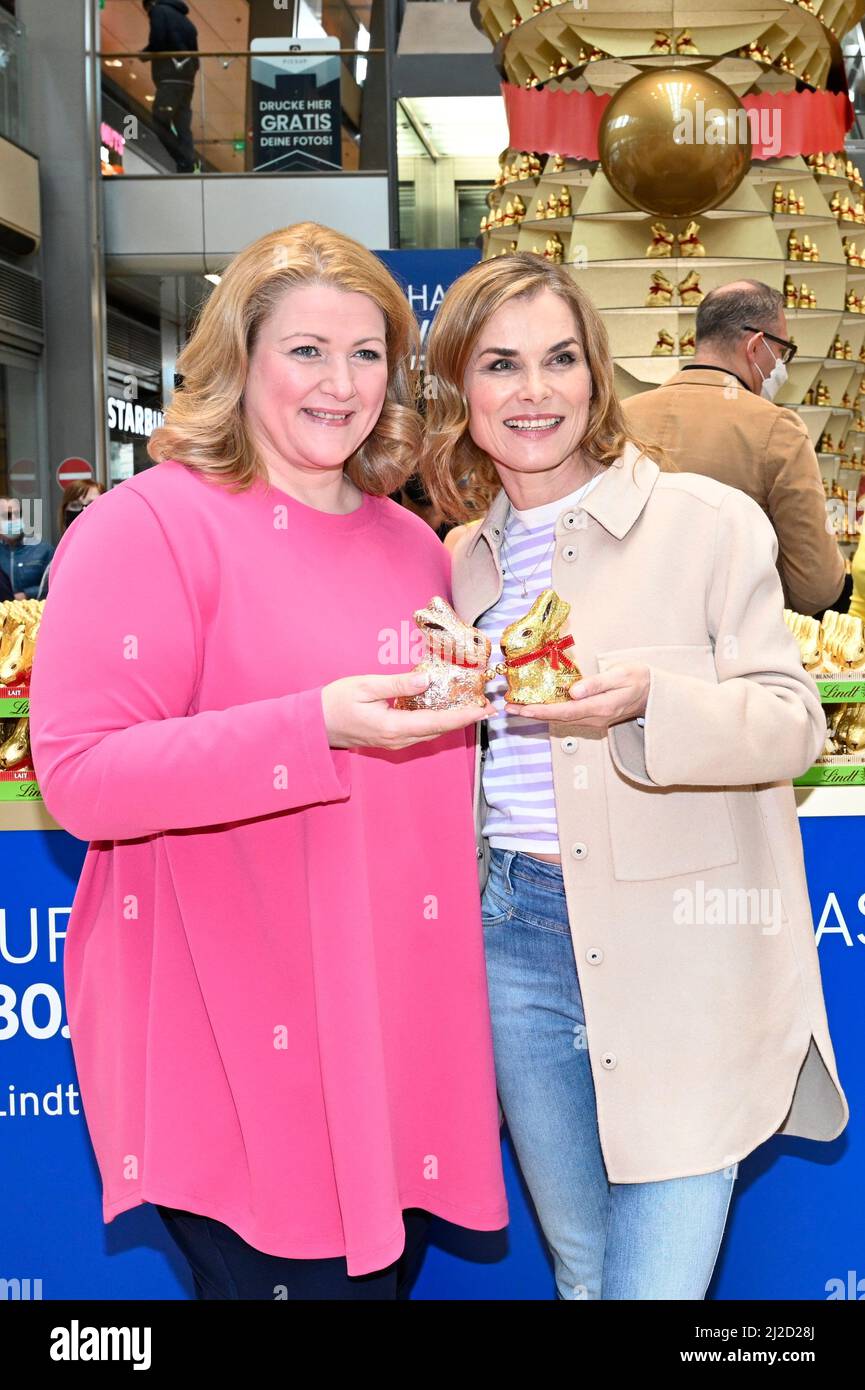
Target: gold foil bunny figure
(538, 670)
(456, 657)
(842, 642)
(849, 730)
(15, 746)
(833, 715)
(806, 630)
(19, 626)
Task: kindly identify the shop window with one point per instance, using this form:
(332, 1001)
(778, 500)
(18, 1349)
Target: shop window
(471, 207)
(407, 207)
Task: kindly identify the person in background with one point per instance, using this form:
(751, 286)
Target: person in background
(857, 603)
(22, 560)
(171, 29)
(715, 416)
(412, 496)
(75, 498)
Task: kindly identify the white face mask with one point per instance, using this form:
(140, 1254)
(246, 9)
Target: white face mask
(775, 380)
(11, 526)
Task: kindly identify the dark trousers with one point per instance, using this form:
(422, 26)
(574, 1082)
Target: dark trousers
(172, 112)
(224, 1266)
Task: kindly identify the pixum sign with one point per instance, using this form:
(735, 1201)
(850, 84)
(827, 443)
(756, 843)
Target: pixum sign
(295, 105)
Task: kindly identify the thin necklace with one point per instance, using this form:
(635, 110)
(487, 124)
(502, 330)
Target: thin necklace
(524, 583)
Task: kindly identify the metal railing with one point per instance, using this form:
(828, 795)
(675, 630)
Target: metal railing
(219, 111)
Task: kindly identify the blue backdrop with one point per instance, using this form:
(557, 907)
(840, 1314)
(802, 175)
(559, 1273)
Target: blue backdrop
(798, 1216)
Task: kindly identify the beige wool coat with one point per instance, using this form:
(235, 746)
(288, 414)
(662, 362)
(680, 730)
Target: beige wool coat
(682, 859)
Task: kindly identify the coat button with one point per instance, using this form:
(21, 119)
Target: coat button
(594, 955)
(569, 744)
(579, 850)
(569, 552)
(569, 520)
(609, 1060)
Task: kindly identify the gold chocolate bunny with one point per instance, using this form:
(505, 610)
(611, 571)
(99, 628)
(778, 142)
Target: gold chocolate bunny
(19, 626)
(537, 668)
(455, 655)
(15, 746)
(849, 730)
(842, 642)
(806, 630)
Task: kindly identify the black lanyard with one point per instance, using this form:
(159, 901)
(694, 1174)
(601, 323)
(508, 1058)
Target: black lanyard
(706, 367)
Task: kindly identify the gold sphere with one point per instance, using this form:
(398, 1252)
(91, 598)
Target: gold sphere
(674, 141)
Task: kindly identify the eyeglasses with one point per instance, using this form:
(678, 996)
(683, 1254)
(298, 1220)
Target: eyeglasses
(790, 349)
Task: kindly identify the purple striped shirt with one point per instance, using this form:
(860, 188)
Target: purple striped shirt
(518, 771)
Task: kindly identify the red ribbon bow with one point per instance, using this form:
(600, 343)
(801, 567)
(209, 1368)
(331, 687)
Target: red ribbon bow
(472, 664)
(552, 649)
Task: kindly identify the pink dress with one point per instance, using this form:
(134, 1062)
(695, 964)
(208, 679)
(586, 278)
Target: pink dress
(274, 966)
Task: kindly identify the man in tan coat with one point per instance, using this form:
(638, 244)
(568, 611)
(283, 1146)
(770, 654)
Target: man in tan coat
(715, 416)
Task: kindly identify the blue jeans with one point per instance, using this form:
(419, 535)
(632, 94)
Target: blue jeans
(652, 1240)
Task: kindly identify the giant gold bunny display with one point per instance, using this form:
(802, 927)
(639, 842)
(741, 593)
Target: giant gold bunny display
(455, 656)
(538, 670)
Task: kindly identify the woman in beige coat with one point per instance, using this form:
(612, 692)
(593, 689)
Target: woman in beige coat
(655, 989)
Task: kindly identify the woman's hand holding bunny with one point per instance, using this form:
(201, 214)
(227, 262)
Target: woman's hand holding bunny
(613, 696)
(358, 713)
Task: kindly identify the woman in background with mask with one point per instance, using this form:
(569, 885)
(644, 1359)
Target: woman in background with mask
(75, 498)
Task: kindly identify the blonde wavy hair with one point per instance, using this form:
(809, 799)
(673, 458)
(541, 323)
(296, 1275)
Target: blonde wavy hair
(205, 426)
(459, 477)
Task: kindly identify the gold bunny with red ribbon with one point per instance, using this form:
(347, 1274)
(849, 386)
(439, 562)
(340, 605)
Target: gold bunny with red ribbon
(538, 669)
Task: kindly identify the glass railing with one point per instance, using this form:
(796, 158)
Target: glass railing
(12, 122)
(291, 108)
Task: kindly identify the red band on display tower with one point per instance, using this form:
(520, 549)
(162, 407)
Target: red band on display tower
(567, 123)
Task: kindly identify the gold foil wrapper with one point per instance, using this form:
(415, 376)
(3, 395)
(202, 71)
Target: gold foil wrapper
(538, 668)
(19, 626)
(845, 731)
(456, 657)
(14, 743)
(834, 647)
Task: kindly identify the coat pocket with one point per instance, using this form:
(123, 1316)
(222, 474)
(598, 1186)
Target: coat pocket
(662, 832)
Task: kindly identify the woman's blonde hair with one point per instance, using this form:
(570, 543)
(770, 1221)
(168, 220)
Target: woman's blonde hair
(458, 476)
(204, 424)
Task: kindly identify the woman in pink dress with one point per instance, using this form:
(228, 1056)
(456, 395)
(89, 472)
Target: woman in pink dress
(274, 968)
